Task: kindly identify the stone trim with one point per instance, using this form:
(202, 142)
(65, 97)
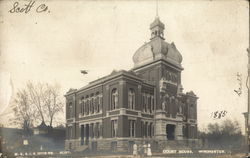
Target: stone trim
(146, 118)
(159, 61)
(149, 121)
(94, 114)
(168, 119)
(122, 82)
(89, 120)
(113, 118)
(123, 112)
(132, 118)
(128, 138)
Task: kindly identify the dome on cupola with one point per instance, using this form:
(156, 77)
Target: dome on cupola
(157, 48)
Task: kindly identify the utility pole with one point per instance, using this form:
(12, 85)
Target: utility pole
(248, 89)
(248, 104)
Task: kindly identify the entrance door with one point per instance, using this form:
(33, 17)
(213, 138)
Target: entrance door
(82, 134)
(87, 134)
(170, 131)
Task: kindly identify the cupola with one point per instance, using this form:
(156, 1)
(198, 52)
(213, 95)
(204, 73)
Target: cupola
(157, 28)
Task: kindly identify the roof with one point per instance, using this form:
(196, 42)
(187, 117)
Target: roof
(113, 74)
(192, 94)
(157, 22)
(157, 49)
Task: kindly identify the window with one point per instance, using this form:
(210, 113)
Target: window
(97, 130)
(114, 99)
(114, 128)
(92, 130)
(143, 100)
(100, 103)
(131, 128)
(152, 103)
(192, 112)
(149, 104)
(92, 105)
(145, 103)
(131, 99)
(142, 129)
(150, 129)
(82, 105)
(153, 132)
(87, 105)
(70, 110)
(146, 129)
(97, 103)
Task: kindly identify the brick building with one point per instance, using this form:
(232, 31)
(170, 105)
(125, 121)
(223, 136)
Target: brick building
(144, 104)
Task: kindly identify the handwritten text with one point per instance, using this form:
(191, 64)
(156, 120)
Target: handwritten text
(28, 7)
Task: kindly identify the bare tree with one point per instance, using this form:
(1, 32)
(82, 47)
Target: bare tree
(53, 102)
(24, 111)
(37, 93)
(37, 101)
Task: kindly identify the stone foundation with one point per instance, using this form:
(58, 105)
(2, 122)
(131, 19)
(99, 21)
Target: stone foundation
(122, 145)
(125, 145)
(72, 144)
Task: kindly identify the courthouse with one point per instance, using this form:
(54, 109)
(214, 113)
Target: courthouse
(143, 105)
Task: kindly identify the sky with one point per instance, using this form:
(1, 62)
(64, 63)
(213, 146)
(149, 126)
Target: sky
(100, 36)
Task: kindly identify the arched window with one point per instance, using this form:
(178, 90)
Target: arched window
(82, 105)
(92, 104)
(145, 102)
(87, 105)
(149, 103)
(100, 102)
(152, 103)
(70, 110)
(97, 103)
(192, 111)
(131, 99)
(114, 99)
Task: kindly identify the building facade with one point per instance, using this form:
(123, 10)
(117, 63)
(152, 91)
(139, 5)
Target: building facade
(143, 105)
